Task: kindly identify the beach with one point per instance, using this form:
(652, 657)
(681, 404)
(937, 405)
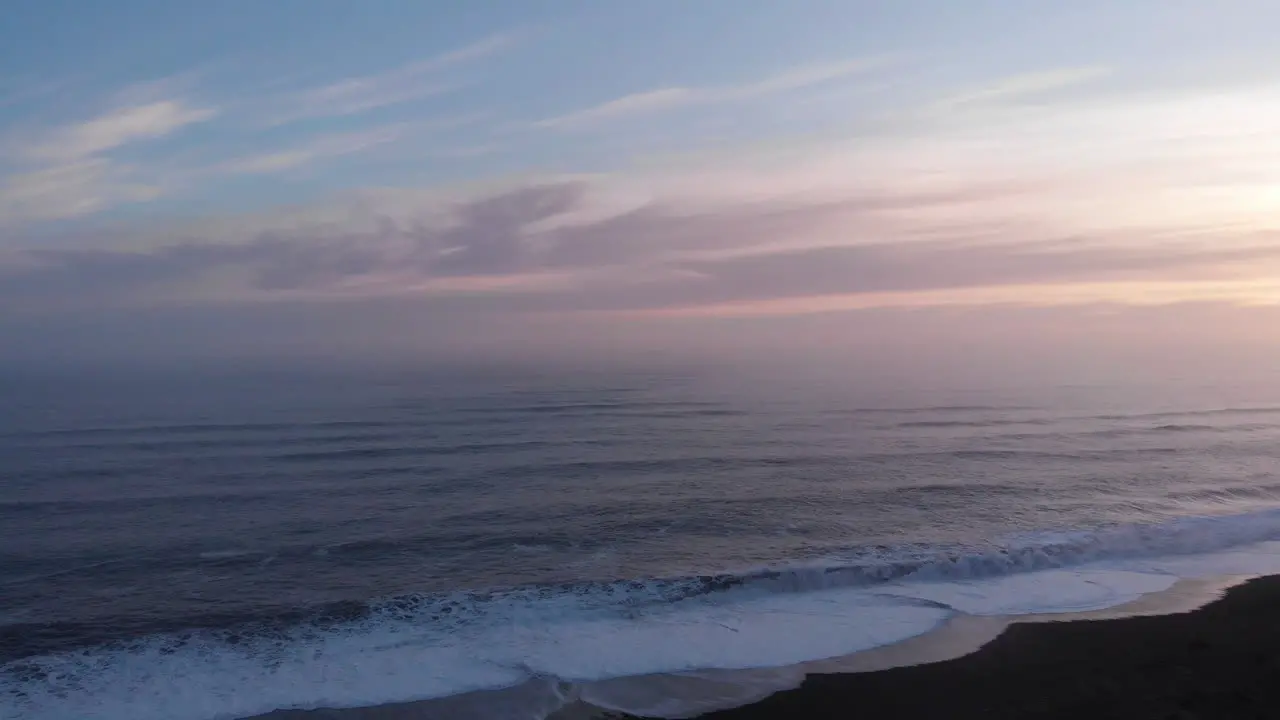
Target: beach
(1220, 661)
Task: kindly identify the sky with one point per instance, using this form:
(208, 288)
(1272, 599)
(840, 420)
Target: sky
(998, 180)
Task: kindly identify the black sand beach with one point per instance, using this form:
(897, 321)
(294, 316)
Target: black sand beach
(1220, 661)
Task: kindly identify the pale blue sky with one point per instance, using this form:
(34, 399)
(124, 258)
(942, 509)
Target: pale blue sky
(455, 90)
(583, 156)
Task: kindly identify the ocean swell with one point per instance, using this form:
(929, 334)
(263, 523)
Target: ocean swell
(423, 646)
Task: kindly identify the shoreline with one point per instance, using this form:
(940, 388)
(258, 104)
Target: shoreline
(1203, 649)
(1218, 661)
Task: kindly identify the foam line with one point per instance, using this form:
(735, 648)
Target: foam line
(418, 647)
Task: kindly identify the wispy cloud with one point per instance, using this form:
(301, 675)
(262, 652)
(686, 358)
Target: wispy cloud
(363, 93)
(800, 78)
(672, 97)
(118, 127)
(1027, 84)
(650, 101)
(653, 257)
(326, 146)
(70, 189)
(1116, 191)
(69, 171)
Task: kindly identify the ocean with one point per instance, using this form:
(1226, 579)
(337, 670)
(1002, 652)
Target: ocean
(192, 545)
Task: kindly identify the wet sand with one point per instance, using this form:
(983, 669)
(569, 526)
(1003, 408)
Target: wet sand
(1219, 661)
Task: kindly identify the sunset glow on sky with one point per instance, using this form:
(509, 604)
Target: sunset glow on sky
(274, 175)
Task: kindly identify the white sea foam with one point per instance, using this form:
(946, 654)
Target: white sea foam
(385, 661)
(418, 648)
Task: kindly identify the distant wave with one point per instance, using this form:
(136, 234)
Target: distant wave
(418, 646)
(185, 443)
(405, 442)
(228, 554)
(1165, 428)
(1185, 428)
(933, 410)
(1030, 455)
(560, 408)
(197, 428)
(1190, 413)
(971, 423)
(1229, 493)
(408, 451)
(1175, 429)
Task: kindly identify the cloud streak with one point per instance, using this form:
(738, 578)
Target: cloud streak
(364, 93)
(69, 190)
(1025, 85)
(1097, 200)
(489, 254)
(320, 148)
(117, 128)
(70, 171)
(661, 99)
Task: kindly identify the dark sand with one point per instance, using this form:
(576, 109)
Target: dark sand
(1222, 661)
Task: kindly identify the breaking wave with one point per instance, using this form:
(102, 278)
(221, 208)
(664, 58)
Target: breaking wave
(416, 647)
